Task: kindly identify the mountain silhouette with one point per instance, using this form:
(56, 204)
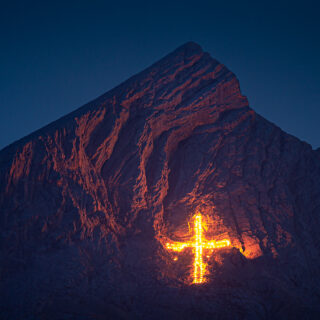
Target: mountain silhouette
(88, 202)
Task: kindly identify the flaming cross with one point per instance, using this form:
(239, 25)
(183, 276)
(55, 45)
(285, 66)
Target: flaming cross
(198, 243)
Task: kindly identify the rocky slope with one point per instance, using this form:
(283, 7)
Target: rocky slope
(86, 203)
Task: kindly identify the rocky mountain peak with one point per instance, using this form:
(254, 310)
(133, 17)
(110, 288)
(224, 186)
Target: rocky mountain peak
(89, 203)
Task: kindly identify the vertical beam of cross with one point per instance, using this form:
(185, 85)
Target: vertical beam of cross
(198, 261)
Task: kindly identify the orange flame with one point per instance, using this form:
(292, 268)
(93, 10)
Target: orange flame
(198, 243)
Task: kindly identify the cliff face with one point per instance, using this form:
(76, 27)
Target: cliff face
(86, 203)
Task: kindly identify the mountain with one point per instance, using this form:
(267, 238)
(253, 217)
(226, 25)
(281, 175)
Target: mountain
(89, 203)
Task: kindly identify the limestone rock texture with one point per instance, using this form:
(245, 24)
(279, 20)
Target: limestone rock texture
(87, 203)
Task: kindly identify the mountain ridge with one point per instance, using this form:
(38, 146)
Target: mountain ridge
(186, 47)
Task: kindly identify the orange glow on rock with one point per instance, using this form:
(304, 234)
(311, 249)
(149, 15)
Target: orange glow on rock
(198, 243)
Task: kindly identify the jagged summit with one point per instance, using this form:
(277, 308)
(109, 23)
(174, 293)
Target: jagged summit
(87, 201)
(189, 48)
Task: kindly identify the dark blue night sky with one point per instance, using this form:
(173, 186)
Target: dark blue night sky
(57, 55)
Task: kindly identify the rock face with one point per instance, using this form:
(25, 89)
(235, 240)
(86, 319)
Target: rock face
(86, 203)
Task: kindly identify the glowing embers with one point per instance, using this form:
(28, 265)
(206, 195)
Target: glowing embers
(199, 243)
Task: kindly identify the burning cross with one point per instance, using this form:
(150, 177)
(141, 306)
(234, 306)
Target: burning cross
(198, 243)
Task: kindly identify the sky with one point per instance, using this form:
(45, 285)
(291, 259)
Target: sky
(58, 55)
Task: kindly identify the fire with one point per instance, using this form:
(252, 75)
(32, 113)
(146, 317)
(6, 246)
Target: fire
(199, 243)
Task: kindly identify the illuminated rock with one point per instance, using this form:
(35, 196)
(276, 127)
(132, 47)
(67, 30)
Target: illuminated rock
(86, 202)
